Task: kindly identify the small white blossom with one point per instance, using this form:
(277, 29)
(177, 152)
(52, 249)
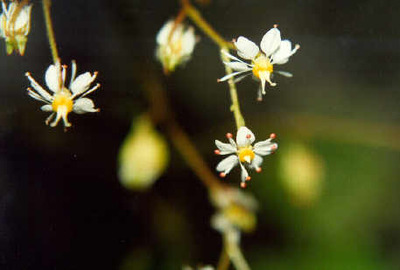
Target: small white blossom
(174, 48)
(15, 23)
(273, 51)
(243, 153)
(61, 100)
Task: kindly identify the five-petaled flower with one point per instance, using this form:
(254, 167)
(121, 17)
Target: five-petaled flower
(243, 153)
(64, 100)
(174, 48)
(273, 51)
(15, 23)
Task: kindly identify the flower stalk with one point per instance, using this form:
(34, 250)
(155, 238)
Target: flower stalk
(50, 31)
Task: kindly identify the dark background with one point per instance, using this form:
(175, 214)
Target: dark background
(62, 207)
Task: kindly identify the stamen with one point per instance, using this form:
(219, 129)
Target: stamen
(229, 135)
(243, 185)
(272, 136)
(248, 136)
(248, 178)
(258, 169)
(217, 152)
(275, 25)
(222, 175)
(274, 147)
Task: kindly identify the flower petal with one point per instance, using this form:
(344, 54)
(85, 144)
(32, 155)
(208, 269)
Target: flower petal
(47, 108)
(270, 41)
(284, 73)
(257, 161)
(162, 36)
(246, 49)
(238, 66)
(227, 164)
(84, 105)
(225, 148)
(227, 77)
(264, 148)
(23, 18)
(188, 41)
(53, 78)
(244, 137)
(244, 174)
(281, 56)
(82, 83)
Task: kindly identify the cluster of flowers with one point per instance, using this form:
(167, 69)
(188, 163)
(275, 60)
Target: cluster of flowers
(175, 45)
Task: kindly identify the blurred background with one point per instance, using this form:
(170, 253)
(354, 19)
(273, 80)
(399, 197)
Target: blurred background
(328, 197)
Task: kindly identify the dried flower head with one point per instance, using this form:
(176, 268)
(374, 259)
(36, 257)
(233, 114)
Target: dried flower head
(64, 100)
(15, 23)
(273, 51)
(175, 44)
(243, 153)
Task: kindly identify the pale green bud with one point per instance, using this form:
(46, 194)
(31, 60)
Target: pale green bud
(143, 156)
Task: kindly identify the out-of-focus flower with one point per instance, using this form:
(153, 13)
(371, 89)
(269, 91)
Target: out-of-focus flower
(15, 23)
(143, 156)
(236, 210)
(61, 100)
(273, 51)
(243, 153)
(175, 44)
(303, 173)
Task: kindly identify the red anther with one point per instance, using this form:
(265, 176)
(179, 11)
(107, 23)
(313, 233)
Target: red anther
(229, 135)
(248, 178)
(64, 66)
(248, 136)
(275, 25)
(222, 175)
(243, 185)
(259, 99)
(234, 40)
(272, 136)
(258, 169)
(217, 152)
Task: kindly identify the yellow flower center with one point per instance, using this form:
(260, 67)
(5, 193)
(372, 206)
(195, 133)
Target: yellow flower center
(63, 99)
(262, 64)
(246, 154)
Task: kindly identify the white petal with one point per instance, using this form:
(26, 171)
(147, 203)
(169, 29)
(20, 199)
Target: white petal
(162, 36)
(227, 164)
(238, 66)
(270, 41)
(230, 56)
(53, 78)
(244, 173)
(84, 105)
(82, 83)
(3, 25)
(23, 18)
(281, 56)
(257, 161)
(188, 41)
(284, 73)
(227, 77)
(264, 148)
(43, 93)
(244, 137)
(225, 148)
(47, 108)
(246, 49)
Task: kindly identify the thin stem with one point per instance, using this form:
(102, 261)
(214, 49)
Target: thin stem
(224, 262)
(161, 113)
(231, 240)
(50, 31)
(196, 17)
(235, 108)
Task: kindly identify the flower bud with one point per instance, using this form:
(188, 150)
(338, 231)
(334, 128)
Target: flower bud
(175, 44)
(143, 156)
(15, 24)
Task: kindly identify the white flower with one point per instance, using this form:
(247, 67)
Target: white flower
(15, 23)
(174, 48)
(243, 153)
(61, 101)
(273, 51)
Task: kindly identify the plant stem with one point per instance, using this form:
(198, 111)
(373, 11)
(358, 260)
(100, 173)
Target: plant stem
(224, 262)
(50, 31)
(235, 108)
(196, 17)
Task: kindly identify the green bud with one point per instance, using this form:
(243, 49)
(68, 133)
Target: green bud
(143, 156)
